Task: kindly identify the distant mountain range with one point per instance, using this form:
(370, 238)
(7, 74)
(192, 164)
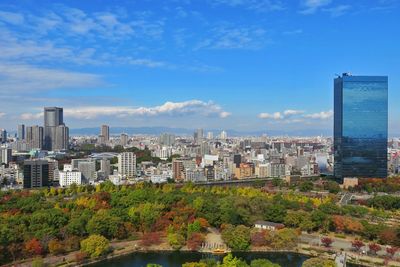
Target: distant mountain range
(184, 131)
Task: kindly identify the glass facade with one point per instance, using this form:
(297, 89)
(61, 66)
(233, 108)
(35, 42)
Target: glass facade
(360, 126)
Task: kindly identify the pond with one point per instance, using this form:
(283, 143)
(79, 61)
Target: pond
(176, 259)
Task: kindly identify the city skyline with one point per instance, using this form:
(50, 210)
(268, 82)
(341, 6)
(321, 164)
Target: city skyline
(179, 65)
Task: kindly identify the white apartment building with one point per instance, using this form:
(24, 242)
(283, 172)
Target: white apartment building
(67, 178)
(127, 164)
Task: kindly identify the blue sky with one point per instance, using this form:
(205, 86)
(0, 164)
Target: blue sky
(226, 64)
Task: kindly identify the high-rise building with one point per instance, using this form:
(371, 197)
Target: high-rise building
(105, 167)
(104, 136)
(61, 138)
(34, 137)
(223, 135)
(210, 135)
(124, 139)
(166, 139)
(21, 132)
(198, 136)
(127, 164)
(3, 135)
(178, 170)
(360, 126)
(56, 134)
(36, 173)
(5, 155)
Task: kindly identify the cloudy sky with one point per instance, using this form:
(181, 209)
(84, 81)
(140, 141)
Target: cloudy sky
(225, 64)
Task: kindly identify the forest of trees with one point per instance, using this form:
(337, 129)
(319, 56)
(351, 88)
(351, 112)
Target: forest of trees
(86, 218)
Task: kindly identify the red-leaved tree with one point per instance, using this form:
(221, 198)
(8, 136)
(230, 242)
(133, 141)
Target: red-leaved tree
(149, 239)
(374, 248)
(357, 244)
(258, 239)
(33, 247)
(391, 251)
(326, 241)
(195, 241)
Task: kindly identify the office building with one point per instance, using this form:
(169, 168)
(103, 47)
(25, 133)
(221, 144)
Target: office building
(34, 137)
(56, 134)
(21, 132)
(3, 135)
(166, 139)
(61, 138)
(36, 173)
(127, 164)
(88, 170)
(360, 126)
(198, 136)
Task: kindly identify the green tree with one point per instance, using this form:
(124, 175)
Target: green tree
(284, 239)
(102, 223)
(306, 186)
(275, 213)
(176, 240)
(95, 246)
(237, 238)
(263, 263)
(230, 261)
(145, 215)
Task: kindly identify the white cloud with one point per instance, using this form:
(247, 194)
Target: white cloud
(31, 116)
(312, 6)
(280, 115)
(291, 112)
(11, 17)
(26, 78)
(323, 115)
(229, 37)
(256, 5)
(274, 116)
(191, 107)
(338, 11)
(2, 114)
(295, 116)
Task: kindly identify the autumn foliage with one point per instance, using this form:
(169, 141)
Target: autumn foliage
(326, 241)
(357, 244)
(150, 239)
(33, 247)
(195, 240)
(347, 224)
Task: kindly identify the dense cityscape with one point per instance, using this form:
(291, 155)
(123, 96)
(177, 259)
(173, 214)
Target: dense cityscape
(214, 133)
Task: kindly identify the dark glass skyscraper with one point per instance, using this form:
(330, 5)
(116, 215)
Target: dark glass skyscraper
(360, 126)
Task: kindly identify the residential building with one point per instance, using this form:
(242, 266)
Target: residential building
(21, 132)
(67, 178)
(34, 137)
(127, 164)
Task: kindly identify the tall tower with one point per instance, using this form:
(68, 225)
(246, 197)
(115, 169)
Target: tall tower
(21, 132)
(53, 119)
(360, 126)
(105, 132)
